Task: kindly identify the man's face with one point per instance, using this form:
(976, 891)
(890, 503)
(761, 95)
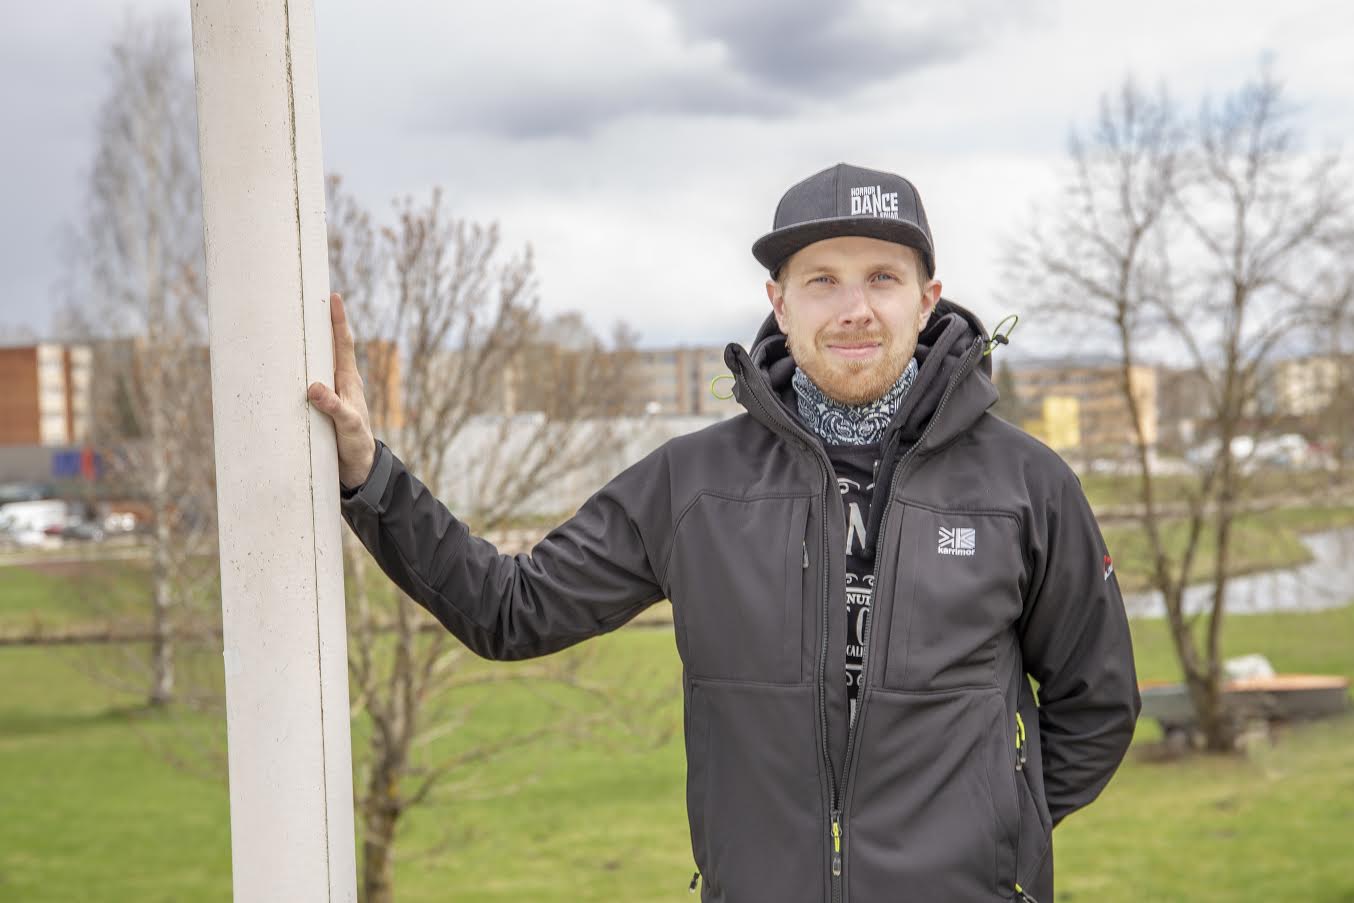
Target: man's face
(851, 309)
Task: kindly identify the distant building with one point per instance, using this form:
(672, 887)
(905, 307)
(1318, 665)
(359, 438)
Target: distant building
(489, 446)
(1059, 423)
(1184, 408)
(1307, 386)
(44, 394)
(1091, 394)
(684, 381)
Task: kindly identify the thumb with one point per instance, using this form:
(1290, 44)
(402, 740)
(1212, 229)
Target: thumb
(323, 397)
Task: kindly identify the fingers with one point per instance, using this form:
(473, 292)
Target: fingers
(324, 399)
(345, 353)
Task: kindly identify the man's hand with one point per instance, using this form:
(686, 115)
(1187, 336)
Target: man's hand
(347, 406)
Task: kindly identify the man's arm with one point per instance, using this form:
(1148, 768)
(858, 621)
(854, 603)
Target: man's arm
(1076, 643)
(587, 576)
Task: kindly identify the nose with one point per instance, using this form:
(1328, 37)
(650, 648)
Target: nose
(855, 310)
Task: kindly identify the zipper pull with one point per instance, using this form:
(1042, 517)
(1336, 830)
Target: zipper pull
(836, 845)
(1020, 748)
(1025, 898)
(695, 879)
(805, 544)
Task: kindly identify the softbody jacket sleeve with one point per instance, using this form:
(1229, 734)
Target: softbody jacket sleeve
(1075, 642)
(587, 576)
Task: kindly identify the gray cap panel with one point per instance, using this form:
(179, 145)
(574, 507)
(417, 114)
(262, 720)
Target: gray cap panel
(846, 200)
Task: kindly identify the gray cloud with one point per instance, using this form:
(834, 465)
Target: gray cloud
(817, 48)
(560, 109)
(765, 58)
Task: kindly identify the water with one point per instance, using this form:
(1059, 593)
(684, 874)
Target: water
(1327, 581)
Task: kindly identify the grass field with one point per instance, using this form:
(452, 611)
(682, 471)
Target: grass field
(92, 811)
(1106, 490)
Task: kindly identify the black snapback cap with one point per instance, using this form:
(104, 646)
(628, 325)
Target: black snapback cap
(846, 200)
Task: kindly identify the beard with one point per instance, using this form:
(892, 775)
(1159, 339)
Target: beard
(851, 382)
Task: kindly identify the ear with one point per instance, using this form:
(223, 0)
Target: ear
(777, 299)
(930, 294)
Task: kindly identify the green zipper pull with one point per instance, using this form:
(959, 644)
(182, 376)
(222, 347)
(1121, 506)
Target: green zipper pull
(1020, 747)
(836, 845)
(695, 879)
(1026, 898)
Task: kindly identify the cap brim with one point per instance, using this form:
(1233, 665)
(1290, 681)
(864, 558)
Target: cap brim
(774, 248)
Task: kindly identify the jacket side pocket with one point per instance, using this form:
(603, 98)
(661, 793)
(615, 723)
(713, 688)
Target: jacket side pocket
(1033, 838)
(697, 781)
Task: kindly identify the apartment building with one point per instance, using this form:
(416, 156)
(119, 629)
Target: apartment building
(1085, 403)
(1307, 386)
(44, 394)
(679, 381)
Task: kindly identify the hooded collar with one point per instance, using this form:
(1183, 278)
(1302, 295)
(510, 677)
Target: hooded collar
(953, 386)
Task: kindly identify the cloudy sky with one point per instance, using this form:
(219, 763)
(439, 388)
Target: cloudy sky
(641, 146)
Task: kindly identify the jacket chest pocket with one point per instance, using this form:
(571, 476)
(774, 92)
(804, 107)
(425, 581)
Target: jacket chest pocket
(956, 592)
(737, 578)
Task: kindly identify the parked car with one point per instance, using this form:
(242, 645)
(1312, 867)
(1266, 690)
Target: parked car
(85, 530)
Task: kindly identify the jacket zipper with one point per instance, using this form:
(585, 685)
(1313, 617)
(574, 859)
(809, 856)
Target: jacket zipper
(835, 828)
(897, 477)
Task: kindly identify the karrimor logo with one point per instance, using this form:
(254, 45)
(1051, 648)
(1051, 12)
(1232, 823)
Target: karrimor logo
(872, 200)
(958, 541)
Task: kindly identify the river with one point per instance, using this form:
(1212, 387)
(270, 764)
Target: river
(1327, 581)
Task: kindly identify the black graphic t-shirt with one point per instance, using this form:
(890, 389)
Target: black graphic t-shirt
(855, 468)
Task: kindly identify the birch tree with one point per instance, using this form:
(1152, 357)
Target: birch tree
(136, 294)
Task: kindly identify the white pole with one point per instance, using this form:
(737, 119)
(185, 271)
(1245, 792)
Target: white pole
(290, 755)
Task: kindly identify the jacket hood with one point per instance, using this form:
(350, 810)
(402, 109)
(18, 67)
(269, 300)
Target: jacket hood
(953, 386)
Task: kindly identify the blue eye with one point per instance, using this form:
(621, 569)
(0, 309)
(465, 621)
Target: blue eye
(887, 276)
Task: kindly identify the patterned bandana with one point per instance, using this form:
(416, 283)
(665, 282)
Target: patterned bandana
(846, 424)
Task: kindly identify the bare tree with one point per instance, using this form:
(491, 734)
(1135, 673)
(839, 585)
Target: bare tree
(1335, 339)
(136, 295)
(453, 344)
(1211, 240)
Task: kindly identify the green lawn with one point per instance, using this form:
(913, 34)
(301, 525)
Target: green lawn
(57, 593)
(1117, 489)
(93, 812)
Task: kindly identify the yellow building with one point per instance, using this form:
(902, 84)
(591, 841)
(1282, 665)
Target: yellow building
(1059, 423)
(1083, 406)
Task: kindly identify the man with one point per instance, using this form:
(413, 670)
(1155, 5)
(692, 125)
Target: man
(863, 569)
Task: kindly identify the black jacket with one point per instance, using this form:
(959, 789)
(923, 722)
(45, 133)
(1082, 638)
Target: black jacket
(988, 566)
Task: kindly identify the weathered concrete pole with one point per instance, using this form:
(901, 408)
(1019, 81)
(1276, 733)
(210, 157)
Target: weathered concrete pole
(291, 790)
